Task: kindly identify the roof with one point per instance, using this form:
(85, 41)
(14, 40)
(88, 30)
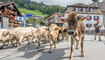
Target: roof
(78, 5)
(11, 3)
(83, 5)
(95, 4)
(102, 8)
(53, 16)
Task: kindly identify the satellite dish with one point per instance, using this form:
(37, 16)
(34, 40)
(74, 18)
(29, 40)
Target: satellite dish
(95, 0)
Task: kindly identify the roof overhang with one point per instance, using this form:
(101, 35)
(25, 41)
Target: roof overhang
(11, 3)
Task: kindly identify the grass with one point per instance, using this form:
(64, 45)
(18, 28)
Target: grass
(25, 11)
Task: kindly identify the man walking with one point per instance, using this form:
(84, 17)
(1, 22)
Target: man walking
(97, 30)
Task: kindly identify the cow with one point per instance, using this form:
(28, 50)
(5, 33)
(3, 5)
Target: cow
(4, 39)
(63, 33)
(19, 34)
(44, 33)
(41, 34)
(77, 31)
(1, 32)
(53, 35)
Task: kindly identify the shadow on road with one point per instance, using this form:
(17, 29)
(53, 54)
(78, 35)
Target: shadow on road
(31, 52)
(57, 54)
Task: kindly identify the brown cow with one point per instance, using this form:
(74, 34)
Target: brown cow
(41, 34)
(53, 35)
(76, 30)
(64, 32)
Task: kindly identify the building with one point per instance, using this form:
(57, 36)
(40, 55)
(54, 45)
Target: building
(8, 15)
(102, 8)
(92, 12)
(55, 19)
(34, 16)
(22, 21)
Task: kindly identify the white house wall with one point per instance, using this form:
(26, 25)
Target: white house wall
(92, 21)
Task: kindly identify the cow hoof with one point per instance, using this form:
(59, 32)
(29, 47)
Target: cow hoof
(70, 59)
(82, 55)
(67, 41)
(50, 52)
(54, 47)
(44, 42)
(1, 47)
(37, 47)
(33, 42)
(77, 48)
(8, 45)
(15, 46)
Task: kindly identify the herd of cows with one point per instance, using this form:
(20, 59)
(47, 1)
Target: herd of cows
(52, 33)
(31, 34)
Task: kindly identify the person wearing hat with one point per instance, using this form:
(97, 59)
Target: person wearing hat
(97, 30)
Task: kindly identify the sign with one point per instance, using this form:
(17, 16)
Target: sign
(28, 15)
(20, 18)
(26, 18)
(4, 26)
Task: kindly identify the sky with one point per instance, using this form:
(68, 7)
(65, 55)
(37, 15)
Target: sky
(64, 2)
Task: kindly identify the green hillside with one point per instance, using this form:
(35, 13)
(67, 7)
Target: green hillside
(25, 11)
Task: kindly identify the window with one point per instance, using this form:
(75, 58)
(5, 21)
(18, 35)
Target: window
(80, 9)
(89, 17)
(84, 9)
(96, 17)
(88, 25)
(76, 9)
(91, 10)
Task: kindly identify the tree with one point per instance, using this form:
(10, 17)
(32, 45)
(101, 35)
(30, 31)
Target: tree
(32, 5)
(32, 20)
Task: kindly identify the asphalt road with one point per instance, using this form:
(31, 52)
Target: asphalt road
(94, 50)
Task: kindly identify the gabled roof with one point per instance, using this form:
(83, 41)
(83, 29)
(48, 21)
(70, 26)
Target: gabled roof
(95, 4)
(81, 5)
(11, 3)
(53, 16)
(102, 8)
(78, 5)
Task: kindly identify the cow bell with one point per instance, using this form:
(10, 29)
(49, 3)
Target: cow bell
(70, 32)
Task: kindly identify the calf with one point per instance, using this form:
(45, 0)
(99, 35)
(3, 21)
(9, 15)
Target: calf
(19, 34)
(53, 35)
(3, 38)
(64, 33)
(77, 31)
(41, 34)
